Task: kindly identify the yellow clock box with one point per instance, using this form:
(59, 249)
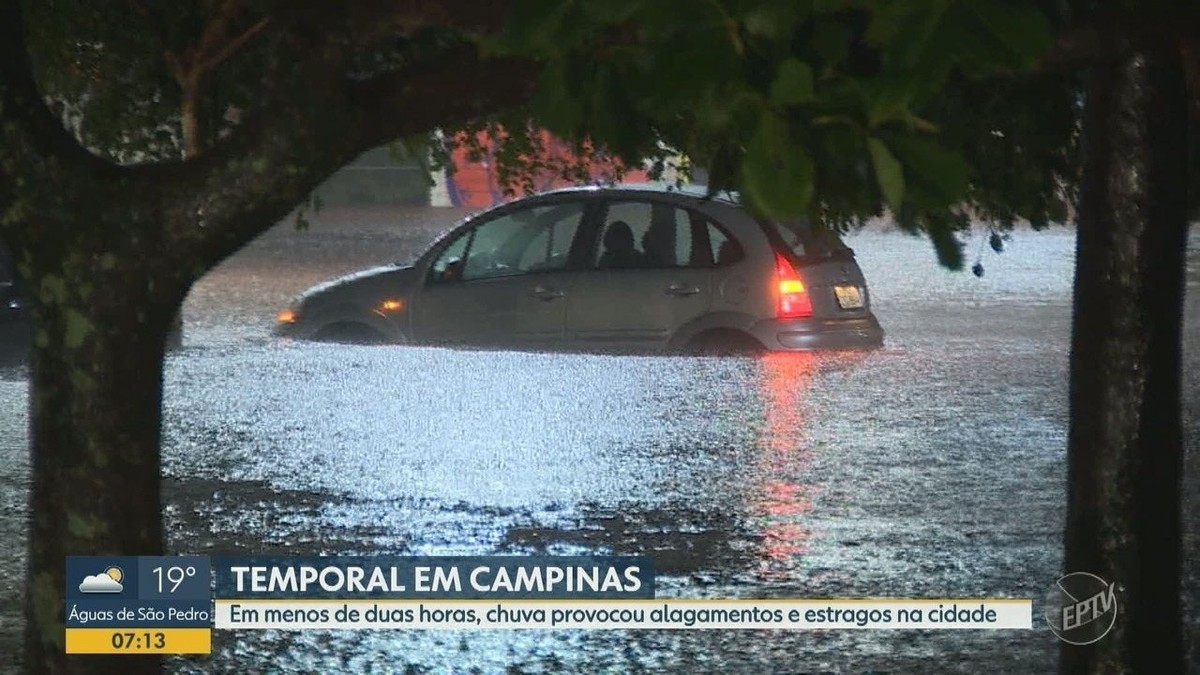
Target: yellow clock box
(139, 641)
(138, 605)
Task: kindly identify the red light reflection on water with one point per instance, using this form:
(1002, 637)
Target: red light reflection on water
(781, 503)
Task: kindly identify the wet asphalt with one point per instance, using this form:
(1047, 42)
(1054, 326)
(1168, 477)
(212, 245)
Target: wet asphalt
(934, 467)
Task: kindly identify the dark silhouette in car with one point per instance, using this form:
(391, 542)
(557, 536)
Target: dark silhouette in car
(618, 247)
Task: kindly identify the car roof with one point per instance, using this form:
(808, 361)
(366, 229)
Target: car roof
(694, 190)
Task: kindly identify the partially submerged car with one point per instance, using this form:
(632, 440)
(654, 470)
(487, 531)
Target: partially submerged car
(632, 269)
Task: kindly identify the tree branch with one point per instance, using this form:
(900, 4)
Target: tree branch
(233, 46)
(255, 177)
(215, 30)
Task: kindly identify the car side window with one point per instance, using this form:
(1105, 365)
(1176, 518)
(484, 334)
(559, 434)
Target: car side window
(725, 250)
(790, 233)
(643, 234)
(449, 263)
(523, 241)
(550, 249)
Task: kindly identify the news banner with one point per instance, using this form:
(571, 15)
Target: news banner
(172, 604)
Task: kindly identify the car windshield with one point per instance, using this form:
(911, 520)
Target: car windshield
(806, 241)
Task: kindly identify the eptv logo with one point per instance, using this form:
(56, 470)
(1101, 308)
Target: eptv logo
(1081, 608)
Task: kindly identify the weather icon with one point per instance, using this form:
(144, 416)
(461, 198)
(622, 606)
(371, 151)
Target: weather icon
(108, 581)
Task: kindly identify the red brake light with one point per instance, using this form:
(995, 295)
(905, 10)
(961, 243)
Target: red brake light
(794, 302)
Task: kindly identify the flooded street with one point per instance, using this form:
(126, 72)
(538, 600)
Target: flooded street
(934, 467)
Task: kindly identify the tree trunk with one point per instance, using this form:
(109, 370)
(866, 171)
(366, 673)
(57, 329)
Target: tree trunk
(193, 115)
(1125, 442)
(95, 397)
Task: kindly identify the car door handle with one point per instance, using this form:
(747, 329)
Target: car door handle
(681, 290)
(546, 293)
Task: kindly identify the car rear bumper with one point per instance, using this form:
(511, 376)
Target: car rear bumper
(808, 334)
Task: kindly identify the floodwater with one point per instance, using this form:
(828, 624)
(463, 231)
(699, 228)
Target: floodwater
(934, 467)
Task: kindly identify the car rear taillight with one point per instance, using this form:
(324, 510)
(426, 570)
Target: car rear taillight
(794, 302)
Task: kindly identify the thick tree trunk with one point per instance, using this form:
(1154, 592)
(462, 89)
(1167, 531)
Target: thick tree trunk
(95, 397)
(1125, 445)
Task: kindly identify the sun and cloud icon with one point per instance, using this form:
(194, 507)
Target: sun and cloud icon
(108, 581)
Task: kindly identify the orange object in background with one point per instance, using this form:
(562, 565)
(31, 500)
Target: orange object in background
(476, 182)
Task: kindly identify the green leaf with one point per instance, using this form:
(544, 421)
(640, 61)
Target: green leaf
(888, 99)
(937, 176)
(775, 20)
(53, 289)
(556, 103)
(996, 242)
(831, 40)
(611, 11)
(1057, 211)
(906, 31)
(830, 6)
(777, 172)
(946, 245)
(535, 27)
(1020, 33)
(888, 172)
(77, 329)
(793, 84)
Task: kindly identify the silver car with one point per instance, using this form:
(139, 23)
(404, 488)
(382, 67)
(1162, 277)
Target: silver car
(633, 269)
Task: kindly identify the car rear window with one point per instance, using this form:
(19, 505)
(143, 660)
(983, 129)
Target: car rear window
(805, 241)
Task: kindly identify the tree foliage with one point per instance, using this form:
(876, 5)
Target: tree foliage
(836, 110)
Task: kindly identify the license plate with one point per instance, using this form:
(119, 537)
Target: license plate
(848, 297)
